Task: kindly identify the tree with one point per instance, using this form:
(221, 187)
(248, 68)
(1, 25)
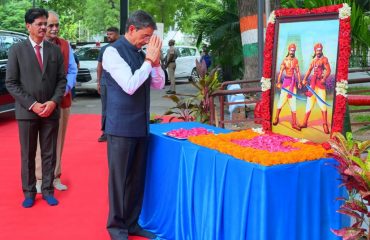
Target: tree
(218, 23)
(172, 13)
(84, 18)
(101, 14)
(70, 12)
(12, 15)
(248, 25)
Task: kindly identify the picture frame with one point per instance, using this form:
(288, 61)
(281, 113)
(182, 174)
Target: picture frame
(306, 60)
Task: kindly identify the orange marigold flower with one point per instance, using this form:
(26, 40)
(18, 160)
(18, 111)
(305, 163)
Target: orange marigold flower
(223, 143)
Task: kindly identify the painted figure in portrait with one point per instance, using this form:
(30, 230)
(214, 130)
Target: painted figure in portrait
(305, 61)
(288, 86)
(316, 88)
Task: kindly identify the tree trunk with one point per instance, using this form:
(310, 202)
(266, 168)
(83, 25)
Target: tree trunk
(248, 29)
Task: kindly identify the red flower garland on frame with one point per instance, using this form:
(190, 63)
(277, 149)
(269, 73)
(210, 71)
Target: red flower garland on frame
(342, 69)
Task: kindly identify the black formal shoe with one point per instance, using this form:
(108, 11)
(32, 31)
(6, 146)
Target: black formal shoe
(102, 138)
(139, 231)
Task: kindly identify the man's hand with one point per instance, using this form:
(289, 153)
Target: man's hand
(49, 107)
(99, 86)
(153, 51)
(299, 85)
(278, 85)
(38, 108)
(304, 82)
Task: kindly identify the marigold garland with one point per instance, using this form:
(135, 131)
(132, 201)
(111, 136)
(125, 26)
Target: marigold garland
(222, 143)
(344, 53)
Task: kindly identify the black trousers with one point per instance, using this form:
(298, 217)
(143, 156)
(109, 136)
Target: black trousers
(127, 168)
(29, 130)
(103, 98)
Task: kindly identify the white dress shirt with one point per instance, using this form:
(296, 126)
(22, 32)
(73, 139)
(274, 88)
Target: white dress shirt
(41, 49)
(42, 58)
(121, 72)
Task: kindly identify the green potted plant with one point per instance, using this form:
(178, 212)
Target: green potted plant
(184, 109)
(196, 107)
(354, 168)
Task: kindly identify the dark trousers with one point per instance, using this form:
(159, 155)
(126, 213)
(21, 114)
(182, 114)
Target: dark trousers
(103, 98)
(29, 130)
(127, 168)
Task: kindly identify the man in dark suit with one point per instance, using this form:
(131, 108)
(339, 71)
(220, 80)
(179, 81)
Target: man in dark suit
(35, 78)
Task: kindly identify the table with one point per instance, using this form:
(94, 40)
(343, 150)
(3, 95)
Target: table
(196, 193)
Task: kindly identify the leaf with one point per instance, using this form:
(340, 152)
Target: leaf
(293, 3)
(359, 162)
(200, 69)
(173, 98)
(363, 146)
(168, 112)
(195, 84)
(355, 205)
(349, 213)
(172, 118)
(349, 233)
(365, 195)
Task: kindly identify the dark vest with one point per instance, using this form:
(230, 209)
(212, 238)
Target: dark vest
(127, 115)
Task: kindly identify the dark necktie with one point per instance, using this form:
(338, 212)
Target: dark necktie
(38, 55)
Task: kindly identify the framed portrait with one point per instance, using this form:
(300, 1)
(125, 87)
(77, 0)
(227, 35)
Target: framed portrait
(305, 71)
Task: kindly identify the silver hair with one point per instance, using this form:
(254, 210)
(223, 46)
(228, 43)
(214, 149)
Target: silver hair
(53, 13)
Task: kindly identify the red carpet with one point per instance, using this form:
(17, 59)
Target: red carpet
(82, 211)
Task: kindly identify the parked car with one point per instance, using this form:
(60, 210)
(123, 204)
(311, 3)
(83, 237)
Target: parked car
(185, 62)
(7, 39)
(86, 78)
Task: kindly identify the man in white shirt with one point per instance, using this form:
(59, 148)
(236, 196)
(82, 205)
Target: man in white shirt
(129, 76)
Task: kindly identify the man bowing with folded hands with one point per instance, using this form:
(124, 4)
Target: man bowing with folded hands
(130, 74)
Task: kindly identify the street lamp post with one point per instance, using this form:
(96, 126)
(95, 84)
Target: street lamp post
(123, 15)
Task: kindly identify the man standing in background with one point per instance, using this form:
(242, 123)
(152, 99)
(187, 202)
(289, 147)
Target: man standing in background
(35, 78)
(70, 68)
(171, 56)
(112, 36)
(206, 57)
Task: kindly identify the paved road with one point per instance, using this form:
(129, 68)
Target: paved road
(91, 104)
(88, 103)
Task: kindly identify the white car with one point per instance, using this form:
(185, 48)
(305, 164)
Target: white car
(185, 62)
(86, 78)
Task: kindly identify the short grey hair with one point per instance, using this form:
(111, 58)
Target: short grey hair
(141, 19)
(51, 12)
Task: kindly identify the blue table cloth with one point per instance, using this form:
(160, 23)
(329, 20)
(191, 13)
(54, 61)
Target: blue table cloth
(196, 193)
